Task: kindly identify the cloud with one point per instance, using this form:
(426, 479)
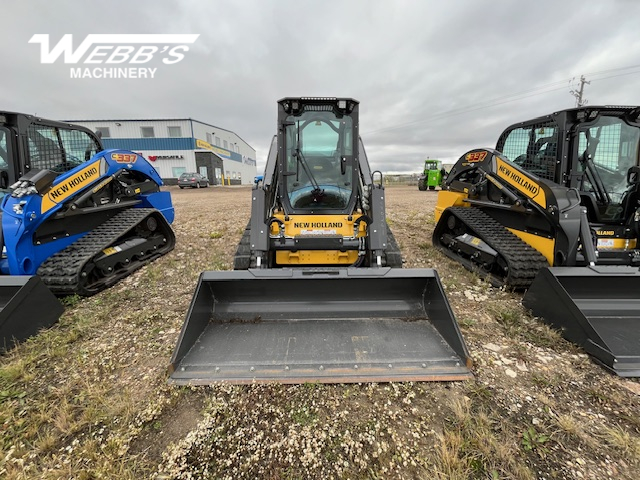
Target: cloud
(434, 79)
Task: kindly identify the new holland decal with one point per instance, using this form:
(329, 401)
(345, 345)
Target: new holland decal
(317, 225)
(65, 189)
(522, 182)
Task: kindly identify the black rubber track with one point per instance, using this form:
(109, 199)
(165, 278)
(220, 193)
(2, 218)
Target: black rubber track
(522, 260)
(63, 272)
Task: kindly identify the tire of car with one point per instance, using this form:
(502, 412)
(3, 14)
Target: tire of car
(198, 185)
(181, 188)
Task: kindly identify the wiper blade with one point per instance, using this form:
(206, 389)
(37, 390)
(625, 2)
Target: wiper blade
(317, 191)
(305, 166)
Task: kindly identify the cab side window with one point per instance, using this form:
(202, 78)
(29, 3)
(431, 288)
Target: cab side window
(45, 150)
(4, 155)
(533, 148)
(515, 145)
(79, 146)
(57, 149)
(4, 158)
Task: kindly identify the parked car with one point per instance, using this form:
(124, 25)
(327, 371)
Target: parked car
(193, 180)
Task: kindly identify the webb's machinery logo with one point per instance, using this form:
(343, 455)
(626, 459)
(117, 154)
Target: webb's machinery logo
(119, 55)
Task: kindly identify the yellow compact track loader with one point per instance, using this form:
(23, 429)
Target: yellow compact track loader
(318, 294)
(556, 209)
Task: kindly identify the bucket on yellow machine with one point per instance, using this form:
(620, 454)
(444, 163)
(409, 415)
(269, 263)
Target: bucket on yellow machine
(26, 306)
(597, 308)
(327, 326)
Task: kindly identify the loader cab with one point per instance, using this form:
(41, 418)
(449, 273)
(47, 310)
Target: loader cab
(31, 143)
(590, 149)
(318, 147)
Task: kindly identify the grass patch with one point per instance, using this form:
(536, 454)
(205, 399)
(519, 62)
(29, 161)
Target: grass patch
(622, 441)
(474, 445)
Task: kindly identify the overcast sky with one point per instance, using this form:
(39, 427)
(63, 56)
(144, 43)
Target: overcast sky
(434, 79)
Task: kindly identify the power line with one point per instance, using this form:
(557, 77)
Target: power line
(612, 70)
(491, 103)
(508, 99)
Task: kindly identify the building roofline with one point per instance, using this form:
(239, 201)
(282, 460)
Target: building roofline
(160, 120)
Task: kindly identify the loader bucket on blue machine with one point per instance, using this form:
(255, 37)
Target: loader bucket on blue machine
(26, 306)
(597, 308)
(340, 326)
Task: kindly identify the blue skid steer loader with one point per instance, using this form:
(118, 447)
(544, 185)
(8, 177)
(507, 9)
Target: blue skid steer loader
(75, 219)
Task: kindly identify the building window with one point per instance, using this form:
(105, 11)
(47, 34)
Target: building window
(177, 171)
(103, 132)
(218, 141)
(226, 145)
(209, 138)
(175, 132)
(147, 132)
(227, 174)
(240, 176)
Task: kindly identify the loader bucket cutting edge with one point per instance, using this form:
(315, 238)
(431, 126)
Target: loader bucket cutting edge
(26, 306)
(597, 308)
(341, 326)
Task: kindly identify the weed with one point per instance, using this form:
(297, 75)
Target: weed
(215, 235)
(467, 322)
(71, 300)
(540, 380)
(511, 319)
(426, 246)
(532, 440)
(12, 393)
(479, 391)
(303, 416)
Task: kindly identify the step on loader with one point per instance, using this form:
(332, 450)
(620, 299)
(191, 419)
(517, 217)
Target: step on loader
(77, 216)
(555, 209)
(318, 293)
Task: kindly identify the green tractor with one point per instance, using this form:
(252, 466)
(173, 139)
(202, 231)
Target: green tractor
(432, 176)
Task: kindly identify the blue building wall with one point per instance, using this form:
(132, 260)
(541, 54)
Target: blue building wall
(163, 144)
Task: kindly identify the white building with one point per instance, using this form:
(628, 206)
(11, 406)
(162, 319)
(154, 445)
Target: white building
(176, 146)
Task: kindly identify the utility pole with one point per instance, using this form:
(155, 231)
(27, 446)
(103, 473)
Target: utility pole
(579, 101)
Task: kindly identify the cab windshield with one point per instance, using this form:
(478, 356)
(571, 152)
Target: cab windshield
(319, 158)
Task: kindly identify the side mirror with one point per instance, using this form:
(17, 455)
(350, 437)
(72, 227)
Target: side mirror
(633, 175)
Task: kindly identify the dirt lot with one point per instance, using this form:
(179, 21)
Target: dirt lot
(88, 398)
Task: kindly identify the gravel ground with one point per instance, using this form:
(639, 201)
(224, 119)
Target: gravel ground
(88, 398)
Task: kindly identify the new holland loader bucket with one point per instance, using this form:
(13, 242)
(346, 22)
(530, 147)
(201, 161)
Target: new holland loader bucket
(598, 308)
(341, 326)
(26, 306)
